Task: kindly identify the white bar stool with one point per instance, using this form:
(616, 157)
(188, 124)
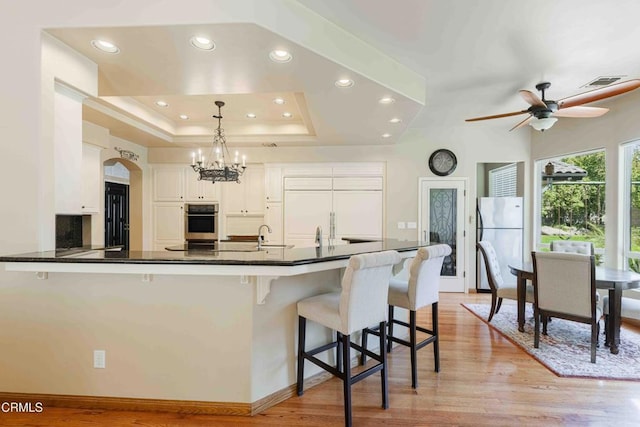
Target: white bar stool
(415, 287)
(361, 303)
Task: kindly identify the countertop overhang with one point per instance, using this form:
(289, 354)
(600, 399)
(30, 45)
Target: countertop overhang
(269, 261)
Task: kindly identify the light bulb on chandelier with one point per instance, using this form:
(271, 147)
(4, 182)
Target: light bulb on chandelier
(218, 169)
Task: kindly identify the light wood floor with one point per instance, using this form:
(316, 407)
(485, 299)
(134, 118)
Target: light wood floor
(484, 380)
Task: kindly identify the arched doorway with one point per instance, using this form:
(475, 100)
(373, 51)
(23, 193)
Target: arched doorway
(123, 204)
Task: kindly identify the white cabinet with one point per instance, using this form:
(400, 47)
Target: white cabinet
(91, 178)
(273, 183)
(200, 191)
(67, 141)
(304, 211)
(247, 197)
(168, 184)
(352, 206)
(358, 214)
(168, 225)
(180, 183)
(273, 218)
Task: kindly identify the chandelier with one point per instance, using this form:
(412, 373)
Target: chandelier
(218, 166)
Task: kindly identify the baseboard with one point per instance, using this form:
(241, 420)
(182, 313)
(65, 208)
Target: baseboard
(129, 404)
(163, 405)
(287, 393)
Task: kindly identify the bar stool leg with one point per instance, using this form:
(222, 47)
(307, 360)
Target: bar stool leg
(390, 322)
(383, 371)
(346, 380)
(302, 326)
(339, 352)
(363, 356)
(436, 345)
(413, 349)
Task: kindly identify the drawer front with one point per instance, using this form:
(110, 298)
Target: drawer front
(357, 183)
(301, 183)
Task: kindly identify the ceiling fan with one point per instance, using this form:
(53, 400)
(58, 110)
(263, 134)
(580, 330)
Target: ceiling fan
(543, 112)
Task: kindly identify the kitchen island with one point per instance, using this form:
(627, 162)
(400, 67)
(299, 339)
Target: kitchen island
(207, 330)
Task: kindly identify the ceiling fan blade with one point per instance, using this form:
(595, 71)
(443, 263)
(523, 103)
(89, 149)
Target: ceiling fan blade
(497, 116)
(522, 123)
(598, 94)
(581, 112)
(532, 98)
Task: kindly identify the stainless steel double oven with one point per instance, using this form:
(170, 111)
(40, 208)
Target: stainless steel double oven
(201, 222)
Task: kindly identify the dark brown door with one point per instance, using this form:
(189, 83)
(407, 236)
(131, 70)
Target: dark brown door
(116, 215)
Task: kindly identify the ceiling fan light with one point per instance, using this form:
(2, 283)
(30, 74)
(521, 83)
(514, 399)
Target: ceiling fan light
(543, 123)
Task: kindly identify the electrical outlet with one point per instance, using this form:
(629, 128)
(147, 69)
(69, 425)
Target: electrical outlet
(401, 225)
(412, 225)
(99, 359)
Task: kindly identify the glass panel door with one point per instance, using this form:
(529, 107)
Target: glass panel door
(442, 207)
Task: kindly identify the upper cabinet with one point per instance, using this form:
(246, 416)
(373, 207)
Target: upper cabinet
(273, 183)
(168, 184)
(180, 184)
(200, 191)
(91, 178)
(67, 139)
(247, 197)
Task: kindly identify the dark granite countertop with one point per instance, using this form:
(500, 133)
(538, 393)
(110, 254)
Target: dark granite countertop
(241, 253)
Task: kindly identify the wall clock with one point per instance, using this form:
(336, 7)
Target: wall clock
(443, 162)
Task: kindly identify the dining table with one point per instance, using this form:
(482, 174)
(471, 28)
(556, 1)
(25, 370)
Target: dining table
(611, 279)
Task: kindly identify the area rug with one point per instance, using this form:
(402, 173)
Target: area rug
(566, 350)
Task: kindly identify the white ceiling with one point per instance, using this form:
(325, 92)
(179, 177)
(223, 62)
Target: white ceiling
(474, 56)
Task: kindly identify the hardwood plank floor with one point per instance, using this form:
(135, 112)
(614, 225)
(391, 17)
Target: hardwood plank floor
(484, 380)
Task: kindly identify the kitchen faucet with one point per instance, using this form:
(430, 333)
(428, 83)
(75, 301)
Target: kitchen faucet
(260, 236)
(319, 236)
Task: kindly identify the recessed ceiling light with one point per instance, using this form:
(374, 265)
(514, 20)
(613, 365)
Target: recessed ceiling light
(184, 117)
(251, 116)
(280, 56)
(161, 104)
(386, 135)
(202, 42)
(278, 101)
(287, 115)
(105, 46)
(344, 83)
(395, 120)
(387, 100)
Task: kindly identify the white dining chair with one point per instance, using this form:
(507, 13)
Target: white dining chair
(572, 246)
(499, 287)
(565, 287)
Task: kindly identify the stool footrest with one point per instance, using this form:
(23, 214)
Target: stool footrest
(419, 345)
(320, 349)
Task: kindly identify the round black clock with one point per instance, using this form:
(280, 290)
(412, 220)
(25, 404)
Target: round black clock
(443, 162)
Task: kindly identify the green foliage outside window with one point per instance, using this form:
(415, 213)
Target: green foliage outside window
(577, 208)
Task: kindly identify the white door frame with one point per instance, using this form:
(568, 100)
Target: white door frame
(462, 235)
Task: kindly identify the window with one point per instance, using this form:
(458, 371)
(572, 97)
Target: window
(572, 205)
(632, 205)
(503, 181)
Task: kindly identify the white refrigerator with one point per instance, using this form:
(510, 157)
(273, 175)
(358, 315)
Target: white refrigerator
(500, 221)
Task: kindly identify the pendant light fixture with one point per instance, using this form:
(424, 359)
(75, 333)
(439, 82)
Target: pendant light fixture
(218, 166)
